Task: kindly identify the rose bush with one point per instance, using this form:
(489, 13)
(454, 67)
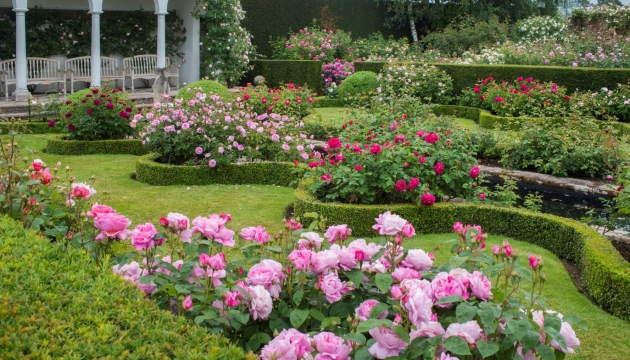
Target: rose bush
(313, 43)
(304, 295)
(425, 82)
(289, 100)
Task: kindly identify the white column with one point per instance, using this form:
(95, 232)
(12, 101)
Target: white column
(189, 70)
(161, 41)
(96, 49)
(21, 93)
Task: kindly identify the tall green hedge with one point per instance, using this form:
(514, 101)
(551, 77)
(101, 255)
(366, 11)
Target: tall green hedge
(606, 275)
(272, 19)
(282, 72)
(61, 146)
(571, 77)
(264, 173)
(55, 303)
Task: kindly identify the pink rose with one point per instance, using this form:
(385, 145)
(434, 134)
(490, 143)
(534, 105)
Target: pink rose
(396, 292)
(213, 228)
(260, 305)
(387, 343)
(187, 303)
(263, 275)
(333, 287)
(180, 224)
(439, 168)
(301, 259)
(323, 261)
(533, 261)
(469, 331)
(216, 262)
(99, 209)
(389, 224)
(311, 240)
(566, 330)
(289, 344)
(474, 172)
(112, 226)
(418, 306)
(402, 273)
(232, 298)
(408, 231)
(458, 228)
(427, 199)
(363, 251)
(330, 347)
(480, 286)
(446, 285)
(82, 191)
(432, 138)
(364, 309)
(347, 260)
(275, 266)
(258, 234)
(427, 329)
(142, 236)
(417, 259)
(337, 232)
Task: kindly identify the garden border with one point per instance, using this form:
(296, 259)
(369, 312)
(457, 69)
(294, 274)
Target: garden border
(60, 146)
(33, 127)
(605, 274)
(263, 173)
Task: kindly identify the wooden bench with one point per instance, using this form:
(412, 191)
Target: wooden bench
(80, 69)
(143, 67)
(38, 71)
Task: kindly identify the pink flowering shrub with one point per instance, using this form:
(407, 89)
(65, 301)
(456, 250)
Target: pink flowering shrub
(289, 100)
(333, 75)
(304, 295)
(313, 43)
(210, 132)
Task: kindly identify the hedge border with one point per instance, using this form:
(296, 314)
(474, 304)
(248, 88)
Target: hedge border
(61, 302)
(326, 102)
(281, 72)
(33, 127)
(572, 78)
(60, 146)
(605, 274)
(263, 173)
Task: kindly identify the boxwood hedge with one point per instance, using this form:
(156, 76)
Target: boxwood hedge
(33, 127)
(279, 72)
(571, 77)
(605, 274)
(60, 146)
(56, 303)
(264, 173)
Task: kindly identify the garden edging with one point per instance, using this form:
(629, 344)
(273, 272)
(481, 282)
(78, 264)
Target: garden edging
(606, 275)
(60, 146)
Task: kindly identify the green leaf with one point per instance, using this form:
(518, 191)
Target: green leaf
(370, 324)
(242, 291)
(487, 349)
(330, 321)
(378, 255)
(487, 317)
(555, 335)
(356, 337)
(574, 320)
(356, 276)
(202, 318)
(58, 213)
(298, 317)
(277, 324)
(363, 354)
(297, 297)
(241, 317)
(181, 288)
(190, 249)
(456, 261)
(519, 327)
(465, 312)
(457, 345)
(530, 340)
(147, 279)
(377, 310)
(384, 282)
(316, 314)
(340, 309)
(450, 299)
(283, 308)
(187, 268)
(545, 352)
(402, 333)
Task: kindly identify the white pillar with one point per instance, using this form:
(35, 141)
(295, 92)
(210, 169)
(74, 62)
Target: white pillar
(161, 12)
(189, 70)
(96, 49)
(21, 93)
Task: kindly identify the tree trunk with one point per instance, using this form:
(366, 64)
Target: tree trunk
(412, 24)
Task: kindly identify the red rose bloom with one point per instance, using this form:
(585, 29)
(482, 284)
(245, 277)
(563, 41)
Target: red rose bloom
(401, 185)
(334, 143)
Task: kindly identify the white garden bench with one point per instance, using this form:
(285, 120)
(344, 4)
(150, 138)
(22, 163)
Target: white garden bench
(38, 71)
(144, 66)
(80, 69)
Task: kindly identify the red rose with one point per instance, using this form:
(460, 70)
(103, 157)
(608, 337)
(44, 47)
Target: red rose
(401, 185)
(334, 143)
(474, 172)
(427, 199)
(439, 168)
(432, 138)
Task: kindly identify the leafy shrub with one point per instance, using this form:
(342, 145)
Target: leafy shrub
(569, 147)
(282, 72)
(73, 98)
(358, 83)
(209, 131)
(523, 97)
(205, 87)
(605, 103)
(313, 43)
(101, 114)
(376, 48)
(425, 82)
(541, 28)
(598, 17)
(290, 100)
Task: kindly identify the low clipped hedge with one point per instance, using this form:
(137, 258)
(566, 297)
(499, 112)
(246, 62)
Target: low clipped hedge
(208, 87)
(605, 274)
(61, 146)
(325, 102)
(33, 127)
(465, 112)
(280, 72)
(56, 303)
(263, 173)
(572, 78)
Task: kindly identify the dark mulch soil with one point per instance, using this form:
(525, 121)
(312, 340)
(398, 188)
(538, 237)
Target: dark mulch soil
(576, 275)
(624, 248)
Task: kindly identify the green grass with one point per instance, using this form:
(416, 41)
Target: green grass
(607, 337)
(466, 123)
(334, 116)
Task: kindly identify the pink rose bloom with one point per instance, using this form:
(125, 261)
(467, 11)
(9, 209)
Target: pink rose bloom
(330, 347)
(427, 329)
(409, 284)
(213, 227)
(82, 190)
(401, 274)
(408, 231)
(362, 250)
(112, 226)
(232, 298)
(417, 259)
(258, 234)
(439, 168)
(396, 292)
(289, 344)
(458, 227)
(469, 331)
(260, 305)
(311, 240)
(418, 306)
(142, 236)
(98, 209)
(347, 260)
(275, 266)
(446, 285)
(474, 172)
(566, 330)
(337, 232)
(187, 303)
(216, 262)
(180, 224)
(301, 259)
(323, 261)
(427, 199)
(265, 276)
(333, 287)
(445, 356)
(364, 309)
(387, 343)
(480, 286)
(389, 224)
(432, 138)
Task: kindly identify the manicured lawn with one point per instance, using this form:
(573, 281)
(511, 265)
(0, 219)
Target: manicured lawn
(251, 205)
(335, 116)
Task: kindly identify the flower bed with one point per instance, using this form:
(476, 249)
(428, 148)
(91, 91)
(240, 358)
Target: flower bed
(63, 146)
(605, 274)
(265, 173)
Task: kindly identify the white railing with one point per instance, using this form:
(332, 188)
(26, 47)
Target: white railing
(38, 71)
(80, 69)
(144, 67)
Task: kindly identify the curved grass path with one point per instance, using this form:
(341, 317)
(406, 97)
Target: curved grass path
(607, 337)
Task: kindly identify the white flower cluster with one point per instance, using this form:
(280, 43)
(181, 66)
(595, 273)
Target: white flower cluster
(486, 56)
(542, 28)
